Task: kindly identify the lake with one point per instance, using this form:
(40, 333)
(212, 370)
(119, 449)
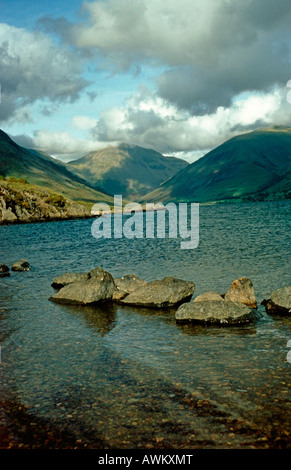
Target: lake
(128, 378)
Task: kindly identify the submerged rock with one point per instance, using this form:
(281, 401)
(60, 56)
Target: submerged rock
(99, 287)
(4, 270)
(242, 291)
(279, 302)
(167, 292)
(208, 296)
(21, 265)
(216, 312)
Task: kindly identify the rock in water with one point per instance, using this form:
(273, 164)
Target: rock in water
(99, 287)
(279, 302)
(4, 270)
(242, 291)
(207, 296)
(167, 292)
(69, 278)
(216, 312)
(21, 265)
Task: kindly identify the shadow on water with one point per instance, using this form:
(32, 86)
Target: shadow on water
(213, 330)
(99, 318)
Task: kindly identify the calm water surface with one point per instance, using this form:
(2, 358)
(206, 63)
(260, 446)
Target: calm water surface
(119, 377)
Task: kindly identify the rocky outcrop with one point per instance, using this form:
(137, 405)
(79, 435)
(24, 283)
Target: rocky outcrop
(167, 292)
(23, 203)
(279, 302)
(215, 312)
(21, 265)
(208, 296)
(242, 291)
(99, 287)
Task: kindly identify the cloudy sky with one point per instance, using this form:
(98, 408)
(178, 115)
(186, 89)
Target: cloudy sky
(179, 76)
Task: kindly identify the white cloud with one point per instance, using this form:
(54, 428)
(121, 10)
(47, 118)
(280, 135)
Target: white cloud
(84, 122)
(218, 68)
(63, 144)
(34, 68)
(147, 120)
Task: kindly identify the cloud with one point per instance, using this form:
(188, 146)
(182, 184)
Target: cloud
(34, 68)
(84, 122)
(213, 50)
(61, 144)
(149, 121)
(217, 68)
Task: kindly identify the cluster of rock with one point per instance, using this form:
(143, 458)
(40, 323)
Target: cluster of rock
(21, 265)
(98, 285)
(237, 306)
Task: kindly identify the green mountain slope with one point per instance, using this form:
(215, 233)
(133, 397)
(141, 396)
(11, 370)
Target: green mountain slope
(126, 169)
(43, 170)
(252, 166)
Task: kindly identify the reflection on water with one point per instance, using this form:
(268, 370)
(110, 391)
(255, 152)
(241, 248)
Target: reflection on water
(101, 319)
(194, 330)
(126, 377)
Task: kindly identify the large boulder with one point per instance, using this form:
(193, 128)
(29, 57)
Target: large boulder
(4, 270)
(216, 312)
(21, 265)
(279, 302)
(242, 291)
(69, 278)
(99, 287)
(167, 292)
(208, 296)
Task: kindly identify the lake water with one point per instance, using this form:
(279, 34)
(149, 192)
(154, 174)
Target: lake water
(119, 377)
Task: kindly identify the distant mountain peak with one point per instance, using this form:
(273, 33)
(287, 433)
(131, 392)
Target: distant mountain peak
(126, 169)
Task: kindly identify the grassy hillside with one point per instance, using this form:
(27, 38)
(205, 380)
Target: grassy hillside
(252, 166)
(43, 170)
(128, 170)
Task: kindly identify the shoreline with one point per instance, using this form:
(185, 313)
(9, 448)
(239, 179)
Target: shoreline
(93, 216)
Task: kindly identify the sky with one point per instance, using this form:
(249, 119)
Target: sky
(177, 76)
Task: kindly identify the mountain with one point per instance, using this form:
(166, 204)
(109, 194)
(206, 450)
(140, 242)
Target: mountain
(43, 170)
(126, 169)
(252, 166)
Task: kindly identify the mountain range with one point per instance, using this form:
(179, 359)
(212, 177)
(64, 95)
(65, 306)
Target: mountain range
(254, 166)
(129, 170)
(250, 167)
